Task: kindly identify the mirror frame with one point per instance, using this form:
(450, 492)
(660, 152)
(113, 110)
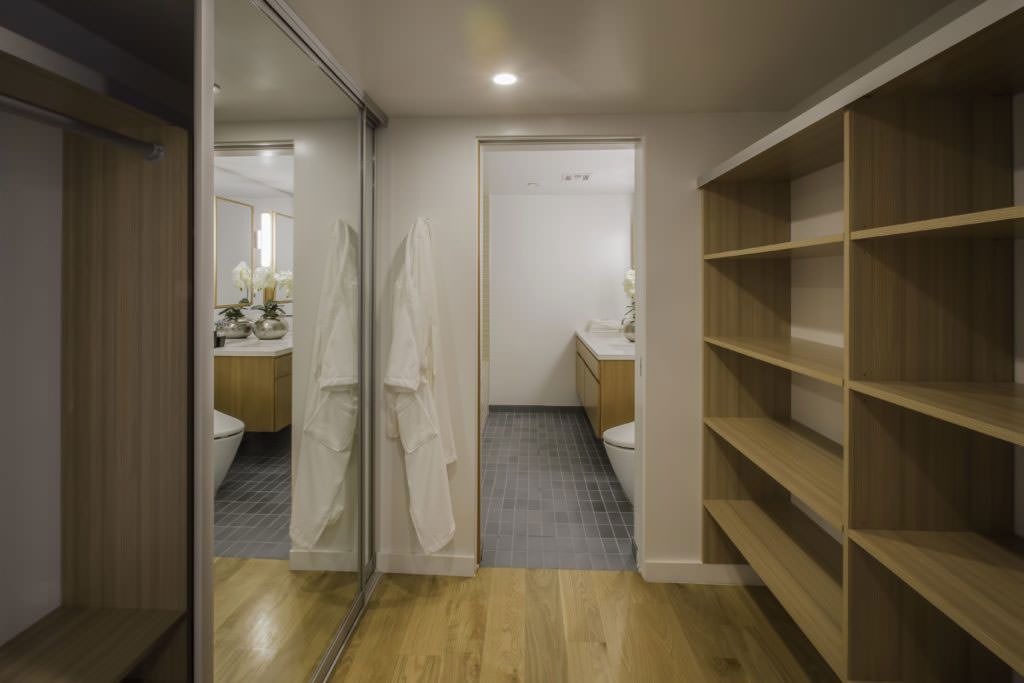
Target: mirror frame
(252, 245)
(250, 148)
(273, 244)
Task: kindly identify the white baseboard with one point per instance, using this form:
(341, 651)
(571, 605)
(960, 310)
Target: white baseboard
(439, 564)
(676, 571)
(316, 560)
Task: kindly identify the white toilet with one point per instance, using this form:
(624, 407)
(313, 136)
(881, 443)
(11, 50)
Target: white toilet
(227, 435)
(620, 444)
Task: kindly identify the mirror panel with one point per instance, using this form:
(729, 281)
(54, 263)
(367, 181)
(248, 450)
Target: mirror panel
(233, 228)
(284, 244)
(275, 108)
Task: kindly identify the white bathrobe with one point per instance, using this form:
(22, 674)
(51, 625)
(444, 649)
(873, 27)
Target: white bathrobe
(416, 390)
(332, 395)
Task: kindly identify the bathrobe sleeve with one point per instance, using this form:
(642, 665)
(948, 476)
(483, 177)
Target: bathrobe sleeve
(412, 398)
(332, 400)
(339, 365)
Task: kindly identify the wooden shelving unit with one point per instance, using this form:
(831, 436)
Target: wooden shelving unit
(125, 504)
(907, 575)
(811, 359)
(991, 408)
(86, 645)
(971, 579)
(809, 248)
(992, 223)
(801, 567)
(800, 460)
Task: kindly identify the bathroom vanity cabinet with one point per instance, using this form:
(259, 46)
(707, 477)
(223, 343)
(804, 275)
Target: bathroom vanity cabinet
(605, 388)
(255, 389)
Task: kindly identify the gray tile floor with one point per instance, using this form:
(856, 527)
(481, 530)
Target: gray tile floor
(549, 496)
(252, 508)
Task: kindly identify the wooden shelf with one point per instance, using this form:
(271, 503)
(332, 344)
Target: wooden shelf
(992, 408)
(818, 361)
(807, 464)
(85, 645)
(994, 223)
(804, 579)
(925, 140)
(975, 582)
(819, 246)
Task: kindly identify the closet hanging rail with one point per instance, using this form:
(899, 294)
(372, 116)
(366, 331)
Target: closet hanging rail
(150, 150)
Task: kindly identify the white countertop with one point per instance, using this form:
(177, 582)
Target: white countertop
(607, 345)
(251, 346)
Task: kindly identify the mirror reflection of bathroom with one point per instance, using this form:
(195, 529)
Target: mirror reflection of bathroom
(557, 355)
(254, 207)
(288, 202)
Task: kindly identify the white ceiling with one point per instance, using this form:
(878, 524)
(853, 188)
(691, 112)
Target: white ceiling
(603, 56)
(510, 169)
(254, 177)
(264, 76)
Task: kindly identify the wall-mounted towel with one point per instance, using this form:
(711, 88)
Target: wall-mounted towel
(332, 396)
(415, 392)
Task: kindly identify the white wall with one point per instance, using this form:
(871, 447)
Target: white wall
(557, 261)
(30, 277)
(327, 187)
(428, 167)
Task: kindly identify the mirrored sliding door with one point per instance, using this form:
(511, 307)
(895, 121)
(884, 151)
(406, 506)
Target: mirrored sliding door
(292, 532)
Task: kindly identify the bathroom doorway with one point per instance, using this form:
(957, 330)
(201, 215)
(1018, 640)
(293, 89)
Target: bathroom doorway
(558, 235)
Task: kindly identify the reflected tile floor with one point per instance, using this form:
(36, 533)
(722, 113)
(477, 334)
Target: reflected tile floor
(549, 496)
(252, 508)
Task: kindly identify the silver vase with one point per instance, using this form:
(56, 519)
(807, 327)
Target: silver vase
(269, 328)
(235, 329)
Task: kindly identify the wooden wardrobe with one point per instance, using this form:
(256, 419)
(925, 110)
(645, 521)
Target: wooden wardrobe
(125, 420)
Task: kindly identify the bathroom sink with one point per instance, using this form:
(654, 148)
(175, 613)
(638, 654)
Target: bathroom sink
(251, 346)
(608, 345)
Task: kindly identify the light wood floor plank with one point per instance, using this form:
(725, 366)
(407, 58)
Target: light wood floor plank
(581, 627)
(417, 669)
(505, 633)
(273, 624)
(580, 610)
(588, 662)
(546, 658)
(426, 631)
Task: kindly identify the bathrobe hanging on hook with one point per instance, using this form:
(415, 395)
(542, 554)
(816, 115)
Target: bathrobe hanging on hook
(418, 410)
(332, 395)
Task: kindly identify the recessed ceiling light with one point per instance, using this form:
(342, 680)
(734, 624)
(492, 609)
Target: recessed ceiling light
(505, 79)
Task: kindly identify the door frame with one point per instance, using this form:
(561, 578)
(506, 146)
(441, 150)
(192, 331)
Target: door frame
(636, 243)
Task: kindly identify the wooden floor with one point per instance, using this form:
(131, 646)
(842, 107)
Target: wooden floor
(550, 626)
(270, 623)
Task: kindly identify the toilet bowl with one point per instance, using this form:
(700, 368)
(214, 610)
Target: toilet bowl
(620, 444)
(227, 435)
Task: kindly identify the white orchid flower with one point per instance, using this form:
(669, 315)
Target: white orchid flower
(284, 280)
(242, 276)
(629, 283)
(262, 278)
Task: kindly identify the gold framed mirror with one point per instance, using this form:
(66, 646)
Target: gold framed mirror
(234, 240)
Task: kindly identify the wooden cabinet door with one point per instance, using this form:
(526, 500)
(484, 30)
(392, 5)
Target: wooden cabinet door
(581, 372)
(592, 400)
